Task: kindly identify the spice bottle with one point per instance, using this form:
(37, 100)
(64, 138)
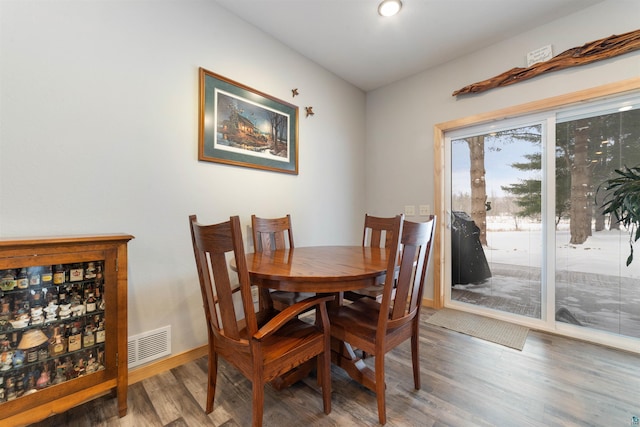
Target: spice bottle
(91, 303)
(22, 280)
(34, 276)
(46, 276)
(59, 276)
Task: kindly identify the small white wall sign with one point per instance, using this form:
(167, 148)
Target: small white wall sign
(539, 55)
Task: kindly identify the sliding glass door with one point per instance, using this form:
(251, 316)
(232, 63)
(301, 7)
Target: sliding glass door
(496, 219)
(528, 238)
(594, 286)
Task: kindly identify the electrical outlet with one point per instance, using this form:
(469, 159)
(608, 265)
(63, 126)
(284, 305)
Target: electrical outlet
(424, 210)
(409, 210)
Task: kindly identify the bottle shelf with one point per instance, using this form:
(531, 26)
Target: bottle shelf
(62, 324)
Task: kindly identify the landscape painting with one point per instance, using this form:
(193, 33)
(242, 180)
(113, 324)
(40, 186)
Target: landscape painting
(244, 127)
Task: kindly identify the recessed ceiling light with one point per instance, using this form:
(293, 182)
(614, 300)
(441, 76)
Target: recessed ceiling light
(389, 7)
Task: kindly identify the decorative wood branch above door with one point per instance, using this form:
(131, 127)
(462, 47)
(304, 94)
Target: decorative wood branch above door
(590, 52)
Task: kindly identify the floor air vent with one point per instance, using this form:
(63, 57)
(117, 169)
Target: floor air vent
(148, 346)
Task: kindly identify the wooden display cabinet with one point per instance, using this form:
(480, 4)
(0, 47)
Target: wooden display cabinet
(63, 324)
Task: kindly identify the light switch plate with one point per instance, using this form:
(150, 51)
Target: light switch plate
(409, 210)
(424, 210)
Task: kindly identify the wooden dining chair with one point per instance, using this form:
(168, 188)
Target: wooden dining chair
(378, 232)
(271, 234)
(378, 327)
(262, 345)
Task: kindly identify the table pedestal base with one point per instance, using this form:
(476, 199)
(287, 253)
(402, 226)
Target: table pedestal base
(294, 375)
(342, 355)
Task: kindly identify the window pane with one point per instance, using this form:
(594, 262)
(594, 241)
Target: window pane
(496, 233)
(594, 287)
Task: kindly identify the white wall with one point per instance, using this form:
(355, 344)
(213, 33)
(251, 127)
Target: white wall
(98, 131)
(99, 116)
(401, 117)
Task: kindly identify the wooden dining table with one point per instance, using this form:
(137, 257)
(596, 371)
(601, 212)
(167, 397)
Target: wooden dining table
(323, 270)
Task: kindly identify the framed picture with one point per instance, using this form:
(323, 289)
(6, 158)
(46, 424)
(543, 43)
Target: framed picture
(241, 126)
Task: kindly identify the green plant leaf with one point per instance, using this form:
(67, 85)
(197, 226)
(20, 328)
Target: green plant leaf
(622, 201)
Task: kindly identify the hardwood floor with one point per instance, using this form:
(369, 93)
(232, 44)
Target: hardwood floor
(554, 381)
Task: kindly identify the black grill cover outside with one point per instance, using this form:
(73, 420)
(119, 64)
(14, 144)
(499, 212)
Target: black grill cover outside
(468, 261)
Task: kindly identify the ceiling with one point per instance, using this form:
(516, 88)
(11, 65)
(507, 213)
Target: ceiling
(350, 39)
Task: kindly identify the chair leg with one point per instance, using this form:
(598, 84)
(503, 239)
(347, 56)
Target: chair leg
(258, 403)
(264, 299)
(211, 381)
(380, 388)
(324, 378)
(415, 359)
(341, 348)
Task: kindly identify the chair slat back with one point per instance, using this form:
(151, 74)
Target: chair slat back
(412, 267)
(213, 246)
(271, 233)
(378, 232)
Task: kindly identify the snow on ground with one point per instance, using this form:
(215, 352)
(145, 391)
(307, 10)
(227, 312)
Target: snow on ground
(592, 280)
(605, 252)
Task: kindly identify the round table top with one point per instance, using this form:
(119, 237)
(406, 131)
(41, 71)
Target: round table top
(318, 268)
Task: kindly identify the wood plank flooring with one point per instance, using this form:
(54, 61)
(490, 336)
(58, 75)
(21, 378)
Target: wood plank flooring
(554, 381)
